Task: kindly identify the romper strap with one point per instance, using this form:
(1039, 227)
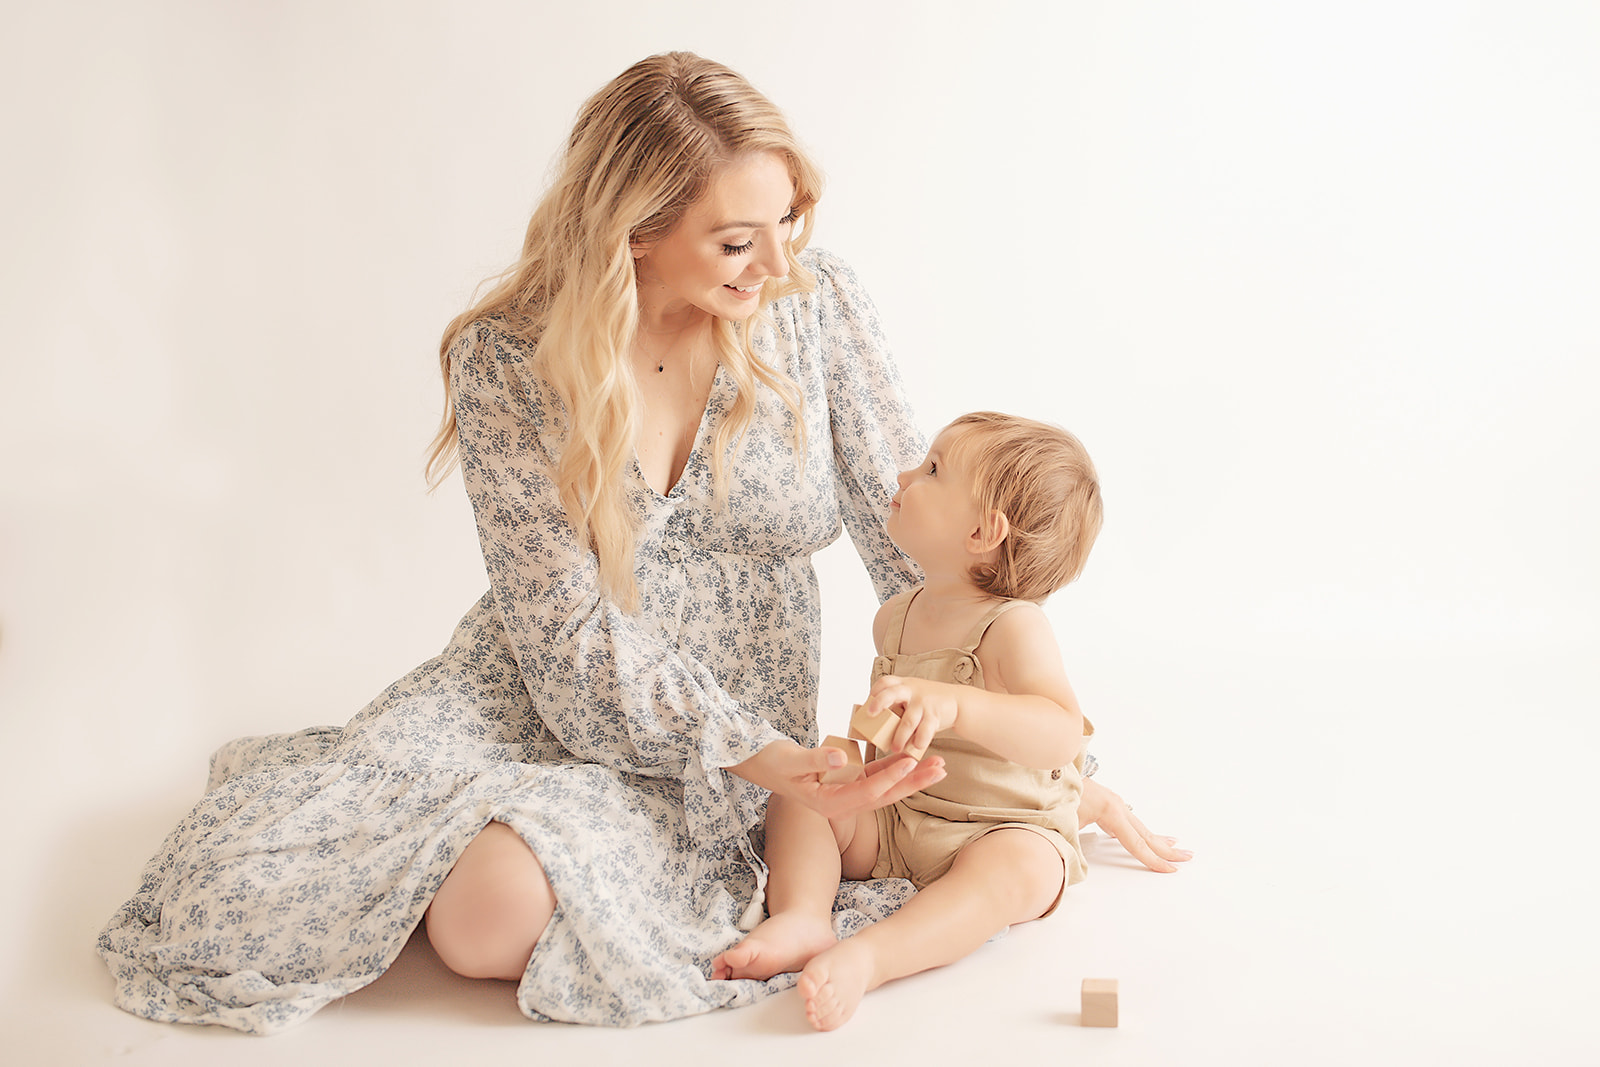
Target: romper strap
(984, 623)
(897, 625)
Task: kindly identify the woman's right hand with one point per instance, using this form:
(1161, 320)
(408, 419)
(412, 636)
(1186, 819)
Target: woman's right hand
(785, 768)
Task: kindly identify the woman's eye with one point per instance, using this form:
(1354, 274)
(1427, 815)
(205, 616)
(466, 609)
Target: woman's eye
(738, 250)
(789, 218)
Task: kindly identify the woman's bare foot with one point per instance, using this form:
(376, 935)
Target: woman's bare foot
(834, 982)
(785, 942)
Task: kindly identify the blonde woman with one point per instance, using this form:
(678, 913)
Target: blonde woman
(660, 411)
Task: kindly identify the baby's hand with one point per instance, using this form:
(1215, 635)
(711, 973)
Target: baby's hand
(925, 707)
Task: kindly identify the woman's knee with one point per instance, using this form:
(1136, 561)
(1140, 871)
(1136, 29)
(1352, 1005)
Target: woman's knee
(492, 908)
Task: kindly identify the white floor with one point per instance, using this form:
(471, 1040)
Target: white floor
(1361, 894)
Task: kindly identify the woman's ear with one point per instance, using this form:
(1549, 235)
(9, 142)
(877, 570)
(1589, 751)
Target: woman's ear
(991, 535)
(639, 249)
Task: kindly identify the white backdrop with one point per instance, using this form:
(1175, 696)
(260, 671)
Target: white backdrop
(1316, 284)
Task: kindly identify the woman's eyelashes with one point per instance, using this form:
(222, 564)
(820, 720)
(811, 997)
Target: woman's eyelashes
(739, 250)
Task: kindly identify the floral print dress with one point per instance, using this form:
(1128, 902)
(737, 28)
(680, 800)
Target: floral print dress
(599, 736)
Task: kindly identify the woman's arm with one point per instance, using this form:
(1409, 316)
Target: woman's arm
(874, 432)
(611, 691)
(785, 768)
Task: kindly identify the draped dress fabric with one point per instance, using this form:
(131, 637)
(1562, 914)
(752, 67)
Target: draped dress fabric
(598, 736)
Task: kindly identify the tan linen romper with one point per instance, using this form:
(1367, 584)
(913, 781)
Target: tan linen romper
(918, 837)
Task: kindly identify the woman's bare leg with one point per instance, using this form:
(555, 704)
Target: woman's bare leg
(492, 908)
(1005, 877)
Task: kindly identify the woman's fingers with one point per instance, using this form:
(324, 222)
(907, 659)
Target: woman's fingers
(886, 781)
(828, 758)
(923, 773)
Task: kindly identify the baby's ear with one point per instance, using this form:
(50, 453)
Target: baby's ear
(991, 535)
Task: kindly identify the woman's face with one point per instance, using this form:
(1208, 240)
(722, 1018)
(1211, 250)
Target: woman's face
(726, 246)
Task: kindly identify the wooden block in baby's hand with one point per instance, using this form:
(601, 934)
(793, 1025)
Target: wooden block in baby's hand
(879, 729)
(853, 767)
(1099, 1002)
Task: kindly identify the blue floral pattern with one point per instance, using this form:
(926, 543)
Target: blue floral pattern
(600, 737)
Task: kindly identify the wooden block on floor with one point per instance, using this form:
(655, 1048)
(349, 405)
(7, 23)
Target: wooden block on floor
(1099, 1002)
(853, 769)
(879, 729)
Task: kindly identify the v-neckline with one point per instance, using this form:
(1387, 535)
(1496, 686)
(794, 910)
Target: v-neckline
(694, 448)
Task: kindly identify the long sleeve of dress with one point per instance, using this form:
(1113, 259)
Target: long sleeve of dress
(875, 434)
(612, 691)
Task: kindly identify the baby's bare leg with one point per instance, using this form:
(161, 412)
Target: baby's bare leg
(1005, 877)
(803, 858)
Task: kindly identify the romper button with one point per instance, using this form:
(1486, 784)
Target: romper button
(1055, 775)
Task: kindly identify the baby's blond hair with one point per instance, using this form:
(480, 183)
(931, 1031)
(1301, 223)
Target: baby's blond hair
(1041, 479)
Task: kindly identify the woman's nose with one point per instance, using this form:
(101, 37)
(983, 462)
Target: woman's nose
(770, 259)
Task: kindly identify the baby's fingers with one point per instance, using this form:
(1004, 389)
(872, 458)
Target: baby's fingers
(1165, 847)
(1154, 852)
(887, 694)
(914, 733)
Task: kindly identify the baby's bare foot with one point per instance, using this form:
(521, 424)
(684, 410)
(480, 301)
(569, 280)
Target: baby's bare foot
(834, 982)
(785, 942)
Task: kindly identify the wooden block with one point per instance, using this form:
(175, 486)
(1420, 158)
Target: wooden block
(852, 769)
(879, 729)
(1099, 1002)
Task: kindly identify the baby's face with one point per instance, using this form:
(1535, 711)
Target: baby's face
(934, 514)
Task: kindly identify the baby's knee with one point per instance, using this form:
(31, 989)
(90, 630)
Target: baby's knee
(1035, 873)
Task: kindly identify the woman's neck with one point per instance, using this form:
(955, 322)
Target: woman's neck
(671, 317)
(674, 344)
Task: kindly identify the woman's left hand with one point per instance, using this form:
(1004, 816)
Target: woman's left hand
(785, 768)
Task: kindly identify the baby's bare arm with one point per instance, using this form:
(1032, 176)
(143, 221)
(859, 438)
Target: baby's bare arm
(1027, 712)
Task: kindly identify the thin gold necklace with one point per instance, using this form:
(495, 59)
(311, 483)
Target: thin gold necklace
(661, 361)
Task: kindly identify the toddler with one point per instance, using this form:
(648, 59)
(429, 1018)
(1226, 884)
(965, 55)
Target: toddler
(1001, 513)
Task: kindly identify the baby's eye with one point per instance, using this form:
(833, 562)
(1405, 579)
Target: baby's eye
(933, 468)
(738, 250)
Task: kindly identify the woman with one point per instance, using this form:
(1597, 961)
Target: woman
(660, 412)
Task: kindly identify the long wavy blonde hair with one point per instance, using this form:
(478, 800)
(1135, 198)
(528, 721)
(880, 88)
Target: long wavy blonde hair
(642, 153)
